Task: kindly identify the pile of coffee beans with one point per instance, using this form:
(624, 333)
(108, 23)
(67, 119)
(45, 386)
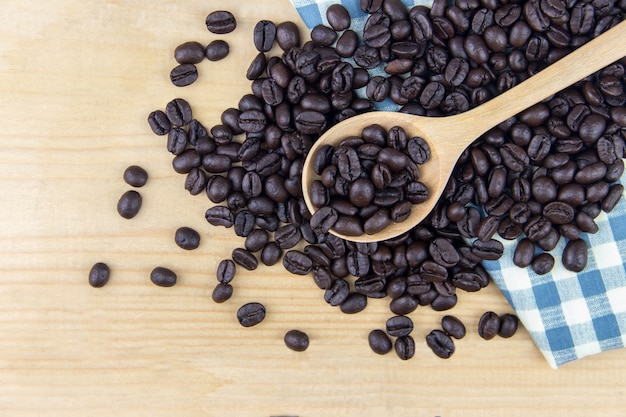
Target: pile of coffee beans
(539, 177)
(367, 182)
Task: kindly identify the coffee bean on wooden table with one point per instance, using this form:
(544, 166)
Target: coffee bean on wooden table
(453, 326)
(163, 277)
(184, 75)
(251, 314)
(129, 204)
(220, 22)
(222, 292)
(264, 35)
(488, 325)
(135, 176)
(508, 325)
(189, 53)
(296, 340)
(217, 50)
(440, 343)
(99, 274)
(379, 342)
(187, 238)
(405, 347)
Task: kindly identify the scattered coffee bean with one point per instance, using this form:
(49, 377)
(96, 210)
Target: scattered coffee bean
(222, 292)
(251, 314)
(189, 53)
(184, 75)
(187, 238)
(129, 204)
(135, 176)
(99, 275)
(220, 22)
(453, 327)
(163, 277)
(379, 342)
(440, 343)
(508, 325)
(217, 50)
(296, 340)
(488, 325)
(405, 347)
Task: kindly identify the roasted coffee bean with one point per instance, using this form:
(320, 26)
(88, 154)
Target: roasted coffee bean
(217, 50)
(453, 327)
(508, 325)
(135, 176)
(488, 325)
(296, 340)
(337, 293)
(405, 347)
(178, 112)
(287, 236)
(575, 255)
(297, 262)
(163, 277)
(264, 35)
(405, 304)
(399, 326)
(489, 250)
(558, 212)
(159, 122)
(379, 342)
(440, 343)
(222, 293)
(187, 238)
(189, 53)
(524, 253)
(612, 198)
(129, 204)
(354, 303)
(271, 254)
(251, 314)
(225, 271)
(184, 75)
(99, 274)
(543, 263)
(245, 259)
(220, 216)
(221, 22)
(287, 35)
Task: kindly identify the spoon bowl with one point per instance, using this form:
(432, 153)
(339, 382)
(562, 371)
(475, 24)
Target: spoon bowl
(449, 136)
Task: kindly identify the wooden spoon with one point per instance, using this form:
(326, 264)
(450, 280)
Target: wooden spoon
(449, 136)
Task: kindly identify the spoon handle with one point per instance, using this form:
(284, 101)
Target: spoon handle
(587, 59)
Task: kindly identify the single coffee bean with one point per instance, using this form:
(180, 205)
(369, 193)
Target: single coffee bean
(524, 253)
(222, 292)
(99, 275)
(488, 325)
(245, 259)
(187, 238)
(251, 314)
(287, 35)
(163, 277)
(189, 53)
(271, 253)
(217, 50)
(575, 254)
(508, 325)
(379, 342)
(184, 75)
(220, 216)
(398, 326)
(264, 35)
(440, 343)
(159, 122)
(226, 271)
(405, 347)
(297, 262)
(337, 293)
(221, 22)
(338, 17)
(135, 176)
(453, 327)
(354, 303)
(543, 263)
(129, 204)
(296, 340)
(178, 112)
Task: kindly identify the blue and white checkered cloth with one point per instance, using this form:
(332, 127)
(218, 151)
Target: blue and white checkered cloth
(568, 315)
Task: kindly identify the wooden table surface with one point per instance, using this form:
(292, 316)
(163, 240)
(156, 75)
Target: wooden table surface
(78, 79)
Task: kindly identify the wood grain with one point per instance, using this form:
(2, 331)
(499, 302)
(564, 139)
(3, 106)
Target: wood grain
(78, 79)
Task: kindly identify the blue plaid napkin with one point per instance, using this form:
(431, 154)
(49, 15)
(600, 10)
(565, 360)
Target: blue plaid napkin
(568, 315)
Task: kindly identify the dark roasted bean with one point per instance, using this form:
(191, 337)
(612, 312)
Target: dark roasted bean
(508, 325)
(251, 314)
(440, 343)
(453, 327)
(488, 325)
(99, 275)
(245, 259)
(163, 277)
(129, 204)
(296, 340)
(220, 22)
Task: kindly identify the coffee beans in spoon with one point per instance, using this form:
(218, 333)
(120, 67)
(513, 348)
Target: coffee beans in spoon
(367, 182)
